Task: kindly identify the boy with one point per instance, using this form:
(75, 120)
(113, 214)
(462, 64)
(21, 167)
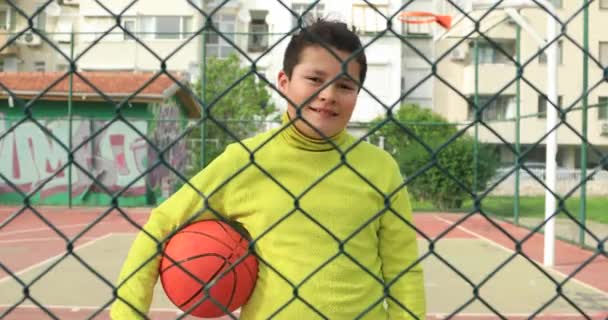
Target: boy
(328, 214)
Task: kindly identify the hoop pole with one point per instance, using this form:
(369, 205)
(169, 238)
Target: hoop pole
(551, 144)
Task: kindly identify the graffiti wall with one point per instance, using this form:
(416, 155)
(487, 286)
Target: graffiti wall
(166, 134)
(34, 161)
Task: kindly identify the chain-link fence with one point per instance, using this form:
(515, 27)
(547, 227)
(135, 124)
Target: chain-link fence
(70, 137)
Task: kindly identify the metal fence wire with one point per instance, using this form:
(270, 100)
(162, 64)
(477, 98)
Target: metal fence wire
(28, 113)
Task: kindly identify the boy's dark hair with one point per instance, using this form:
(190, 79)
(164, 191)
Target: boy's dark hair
(325, 33)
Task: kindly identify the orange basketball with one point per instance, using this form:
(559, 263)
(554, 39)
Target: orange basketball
(211, 251)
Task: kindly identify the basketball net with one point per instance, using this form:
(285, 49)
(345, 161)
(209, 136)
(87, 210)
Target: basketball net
(420, 17)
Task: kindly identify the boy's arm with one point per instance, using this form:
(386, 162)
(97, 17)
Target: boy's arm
(139, 273)
(398, 252)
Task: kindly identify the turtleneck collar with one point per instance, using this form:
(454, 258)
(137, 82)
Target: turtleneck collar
(296, 139)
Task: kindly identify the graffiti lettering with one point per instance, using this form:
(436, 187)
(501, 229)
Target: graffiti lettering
(31, 160)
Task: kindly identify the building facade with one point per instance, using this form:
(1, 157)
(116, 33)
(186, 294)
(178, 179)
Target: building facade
(110, 156)
(496, 86)
(152, 36)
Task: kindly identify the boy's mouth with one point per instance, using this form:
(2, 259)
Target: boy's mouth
(324, 111)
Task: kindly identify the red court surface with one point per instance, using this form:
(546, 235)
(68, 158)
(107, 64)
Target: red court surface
(27, 242)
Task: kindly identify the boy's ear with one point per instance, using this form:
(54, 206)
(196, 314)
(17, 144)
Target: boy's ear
(282, 81)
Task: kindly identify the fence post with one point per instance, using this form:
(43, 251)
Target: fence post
(70, 155)
(583, 195)
(517, 125)
(203, 75)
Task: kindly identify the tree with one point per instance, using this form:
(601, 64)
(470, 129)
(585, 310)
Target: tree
(238, 104)
(453, 166)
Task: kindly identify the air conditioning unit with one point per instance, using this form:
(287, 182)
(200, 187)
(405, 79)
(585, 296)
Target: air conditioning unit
(604, 129)
(458, 54)
(30, 39)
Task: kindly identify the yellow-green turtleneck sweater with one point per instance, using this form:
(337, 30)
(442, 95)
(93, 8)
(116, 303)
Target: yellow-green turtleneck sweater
(334, 228)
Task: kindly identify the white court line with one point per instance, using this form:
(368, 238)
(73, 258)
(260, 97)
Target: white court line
(7, 277)
(513, 315)
(60, 227)
(41, 239)
(236, 313)
(79, 308)
(498, 245)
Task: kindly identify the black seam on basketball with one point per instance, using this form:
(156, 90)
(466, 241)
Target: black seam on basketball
(234, 284)
(251, 275)
(203, 286)
(221, 225)
(209, 236)
(191, 258)
(231, 234)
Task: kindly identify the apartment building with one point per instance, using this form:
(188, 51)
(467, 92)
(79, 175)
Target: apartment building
(26, 50)
(88, 32)
(169, 37)
(417, 50)
(496, 72)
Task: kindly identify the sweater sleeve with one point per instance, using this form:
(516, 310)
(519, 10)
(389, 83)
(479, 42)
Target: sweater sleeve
(139, 273)
(399, 252)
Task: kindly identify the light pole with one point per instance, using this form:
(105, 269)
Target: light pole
(551, 140)
(509, 7)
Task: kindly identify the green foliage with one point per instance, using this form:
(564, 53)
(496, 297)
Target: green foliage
(237, 108)
(534, 207)
(450, 161)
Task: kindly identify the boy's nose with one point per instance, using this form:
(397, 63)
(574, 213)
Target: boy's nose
(328, 94)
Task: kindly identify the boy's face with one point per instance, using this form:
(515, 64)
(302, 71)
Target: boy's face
(331, 108)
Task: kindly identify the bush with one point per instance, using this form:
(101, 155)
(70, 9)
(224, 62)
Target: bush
(239, 106)
(447, 183)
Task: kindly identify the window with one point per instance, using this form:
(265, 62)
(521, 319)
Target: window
(62, 67)
(423, 48)
(415, 28)
(542, 106)
(129, 25)
(417, 78)
(557, 3)
(186, 27)
(258, 31)
(490, 54)
(217, 46)
(165, 27)
(5, 18)
(300, 8)
(602, 108)
(39, 66)
(40, 21)
(542, 58)
(366, 19)
(604, 53)
(603, 4)
(499, 109)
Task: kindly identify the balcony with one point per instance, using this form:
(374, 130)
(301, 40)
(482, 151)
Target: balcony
(11, 50)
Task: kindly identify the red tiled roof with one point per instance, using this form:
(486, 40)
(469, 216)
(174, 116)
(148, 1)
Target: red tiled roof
(110, 83)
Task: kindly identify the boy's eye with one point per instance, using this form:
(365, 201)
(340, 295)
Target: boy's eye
(346, 86)
(314, 79)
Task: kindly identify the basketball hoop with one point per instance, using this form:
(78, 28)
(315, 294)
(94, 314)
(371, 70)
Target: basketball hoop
(421, 17)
